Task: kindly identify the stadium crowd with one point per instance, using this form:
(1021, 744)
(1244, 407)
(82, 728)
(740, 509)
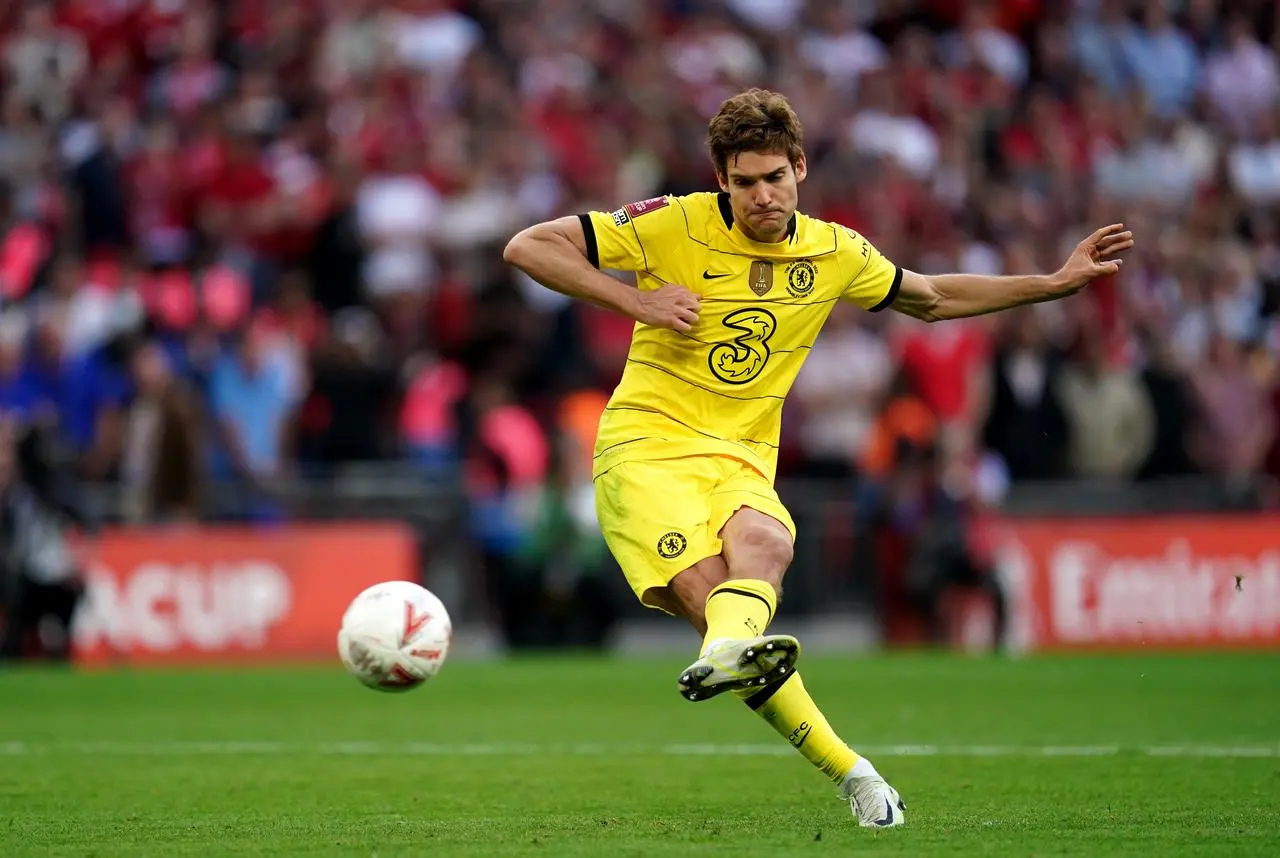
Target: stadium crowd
(242, 240)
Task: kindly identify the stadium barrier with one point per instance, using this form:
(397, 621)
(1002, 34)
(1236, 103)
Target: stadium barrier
(221, 594)
(1113, 565)
(1185, 582)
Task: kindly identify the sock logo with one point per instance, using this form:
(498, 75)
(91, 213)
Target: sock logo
(672, 545)
(799, 734)
(751, 624)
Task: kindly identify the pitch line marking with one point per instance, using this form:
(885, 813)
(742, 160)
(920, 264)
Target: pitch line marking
(14, 748)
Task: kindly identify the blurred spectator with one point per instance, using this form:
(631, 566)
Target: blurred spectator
(1161, 58)
(1111, 426)
(980, 39)
(839, 48)
(17, 392)
(45, 61)
(839, 389)
(884, 128)
(92, 389)
(160, 467)
(1026, 425)
(947, 365)
(1241, 77)
(923, 550)
(40, 573)
(428, 425)
(1167, 385)
(506, 457)
(564, 558)
(1255, 160)
(397, 210)
(355, 45)
(335, 261)
(196, 76)
(431, 37)
(252, 408)
(347, 415)
(1234, 426)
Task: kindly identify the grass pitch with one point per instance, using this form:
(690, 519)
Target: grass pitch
(1096, 756)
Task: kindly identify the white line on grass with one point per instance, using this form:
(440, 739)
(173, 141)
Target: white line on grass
(430, 749)
(1195, 751)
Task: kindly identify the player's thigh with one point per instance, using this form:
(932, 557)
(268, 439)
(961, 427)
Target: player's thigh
(756, 531)
(653, 516)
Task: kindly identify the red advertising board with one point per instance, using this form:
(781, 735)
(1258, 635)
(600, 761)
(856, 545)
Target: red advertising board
(1173, 582)
(231, 595)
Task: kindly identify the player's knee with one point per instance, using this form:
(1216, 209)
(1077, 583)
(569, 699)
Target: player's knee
(767, 552)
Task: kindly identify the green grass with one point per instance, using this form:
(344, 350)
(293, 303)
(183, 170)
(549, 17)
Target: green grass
(576, 757)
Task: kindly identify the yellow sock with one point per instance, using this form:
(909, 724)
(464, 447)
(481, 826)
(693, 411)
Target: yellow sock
(739, 609)
(791, 711)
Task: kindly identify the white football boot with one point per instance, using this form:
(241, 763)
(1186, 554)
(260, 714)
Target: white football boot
(873, 801)
(732, 664)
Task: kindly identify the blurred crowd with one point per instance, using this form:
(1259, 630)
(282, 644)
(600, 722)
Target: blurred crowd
(243, 241)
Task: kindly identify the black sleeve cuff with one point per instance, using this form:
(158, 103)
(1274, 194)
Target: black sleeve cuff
(589, 232)
(885, 303)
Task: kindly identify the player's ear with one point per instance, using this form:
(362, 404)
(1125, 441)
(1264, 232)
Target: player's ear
(723, 181)
(802, 168)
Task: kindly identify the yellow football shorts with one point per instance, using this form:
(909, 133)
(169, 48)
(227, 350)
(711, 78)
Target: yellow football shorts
(659, 517)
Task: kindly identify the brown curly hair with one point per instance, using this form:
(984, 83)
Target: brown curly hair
(756, 120)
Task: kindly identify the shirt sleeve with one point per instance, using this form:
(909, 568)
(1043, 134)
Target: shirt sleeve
(625, 239)
(876, 280)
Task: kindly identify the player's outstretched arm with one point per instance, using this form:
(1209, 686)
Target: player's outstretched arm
(936, 297)
(554, 253)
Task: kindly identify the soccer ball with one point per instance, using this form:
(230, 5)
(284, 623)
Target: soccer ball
(395, 636)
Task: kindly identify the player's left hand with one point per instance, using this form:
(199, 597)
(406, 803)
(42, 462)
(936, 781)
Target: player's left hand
(1096, 256)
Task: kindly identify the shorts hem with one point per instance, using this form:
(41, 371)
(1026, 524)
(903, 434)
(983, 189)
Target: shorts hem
(656, 582)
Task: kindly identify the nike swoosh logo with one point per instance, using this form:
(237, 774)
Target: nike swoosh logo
(707, 275)
(888, 810)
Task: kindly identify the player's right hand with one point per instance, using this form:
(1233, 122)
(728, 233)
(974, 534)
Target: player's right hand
(669, 306)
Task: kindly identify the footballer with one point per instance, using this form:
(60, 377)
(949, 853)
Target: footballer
(733, 288)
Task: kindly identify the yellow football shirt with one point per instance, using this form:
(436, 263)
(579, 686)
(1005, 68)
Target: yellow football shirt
(719, 389)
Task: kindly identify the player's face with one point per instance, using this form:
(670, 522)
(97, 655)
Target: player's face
(762, 190)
